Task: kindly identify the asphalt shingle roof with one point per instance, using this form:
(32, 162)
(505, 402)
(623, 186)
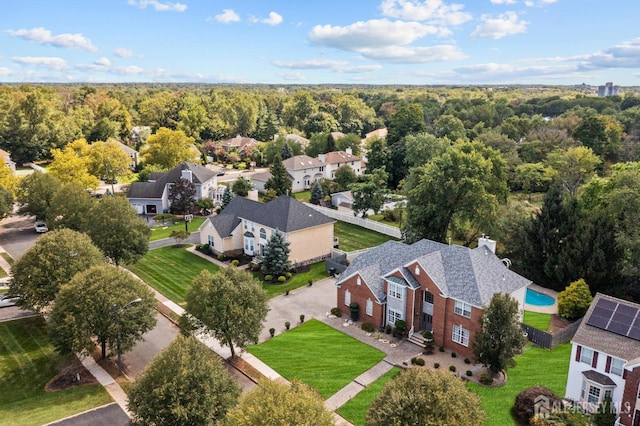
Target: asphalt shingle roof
(228, 219)
(301, 162)
(155, 188)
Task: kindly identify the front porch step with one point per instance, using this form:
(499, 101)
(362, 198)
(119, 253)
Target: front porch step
(417, 339)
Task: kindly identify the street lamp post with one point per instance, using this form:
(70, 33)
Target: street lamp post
(116, 319)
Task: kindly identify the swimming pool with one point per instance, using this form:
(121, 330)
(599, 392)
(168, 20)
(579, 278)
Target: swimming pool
(538, 299)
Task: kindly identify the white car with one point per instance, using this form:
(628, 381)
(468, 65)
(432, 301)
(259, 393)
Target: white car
(5, 302)
(41, 227)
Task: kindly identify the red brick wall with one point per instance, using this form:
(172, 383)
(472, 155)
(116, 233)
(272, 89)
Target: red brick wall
(629, 396)
(472, 324)
(360, 294)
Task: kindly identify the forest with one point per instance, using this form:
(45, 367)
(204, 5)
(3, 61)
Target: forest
(550, 172)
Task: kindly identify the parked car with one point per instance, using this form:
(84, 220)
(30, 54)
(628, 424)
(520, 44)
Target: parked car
(6, 302)
(41, 227)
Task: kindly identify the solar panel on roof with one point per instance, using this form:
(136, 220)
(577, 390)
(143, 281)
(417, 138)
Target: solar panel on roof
(602, 312)
(618, 327)
(627, 310)
(598, 321)
(607, 304)
(622, 318)
(634, 333)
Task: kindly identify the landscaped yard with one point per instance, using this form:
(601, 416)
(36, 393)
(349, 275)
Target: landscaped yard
(160, 232)
(318, 355)
(353, 237)
(171, 270)
(537, 320)
(355, 410)
(317, 272)
(536, 366)
(27, 363)
(303, 196)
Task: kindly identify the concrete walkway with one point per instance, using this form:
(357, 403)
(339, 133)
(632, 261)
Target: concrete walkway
(4, 265)
(358, 384)
(106, 381)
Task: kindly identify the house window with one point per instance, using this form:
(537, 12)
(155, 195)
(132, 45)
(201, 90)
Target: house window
(244, 222)
(393, 316)
(428, 297)
(617, 366)
(369, 307)
(359, 281)
(263, 234)
(395, 291)
(253, 228)
(347, 297)
(586, 355)
(460, 335)
(417, 271)
(593, 396)
(322, 168)
(463, 309)
(211, 240)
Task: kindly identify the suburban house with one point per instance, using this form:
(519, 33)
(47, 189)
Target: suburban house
(134, 156)
(152, 197)
(245, 226)
(378, 133)
(304, 170)
(238, 143)
(6, 157)
(432, 286)
(139, 135)
(292, 137)
(605, 358)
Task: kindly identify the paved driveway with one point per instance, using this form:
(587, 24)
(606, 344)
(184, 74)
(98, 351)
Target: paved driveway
(17, 235)
(108, 415)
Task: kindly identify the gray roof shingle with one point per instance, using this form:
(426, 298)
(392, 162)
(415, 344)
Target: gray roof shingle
(228, 219)
(155, 187)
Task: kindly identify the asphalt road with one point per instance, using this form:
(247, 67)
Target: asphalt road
(17, 234)
(109, 415)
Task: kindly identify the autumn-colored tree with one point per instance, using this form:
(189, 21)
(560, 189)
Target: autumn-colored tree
(167, 148)
(574, 300)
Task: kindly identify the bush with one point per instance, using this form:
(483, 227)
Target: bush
(441, 349)
(427, 335)
(235, 262)
(523, 408)
(420, 362)
(486, 379)
(368, 327)
(469, 373)
(272, 332)
(301, 318)
(467, 361)
(288, 275)
(221, 257)
(287, 325)
(388, 328)
(454, 355)
(282, 278)
(268, 277)
(413, 360)
(400, 328)
(452, 368)
(574, 301)
(436, 365)
(336, 312)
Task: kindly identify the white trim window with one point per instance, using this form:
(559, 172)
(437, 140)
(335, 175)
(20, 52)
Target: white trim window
(369, 307)
(462, 308)
(395, 290)
(393, 316)
(211, 240)
(347, 297)
(586, 355)
(460, 335)
(617, 366)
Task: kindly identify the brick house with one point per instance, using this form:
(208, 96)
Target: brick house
(605, 358)
(431, 286)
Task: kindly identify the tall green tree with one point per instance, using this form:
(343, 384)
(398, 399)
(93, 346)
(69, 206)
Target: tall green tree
(408, 119)
(227, 196)
(182, 197)
(35, 194)
(285, 151)
(317, 195)
(344, 177)
(425, 397)
(51, 262)
(275, 258)
(231, 305)
(96, 305)
(186, 384)
(70, 207)
(279, 180)
(423, 148)
(167, 148)
(242, 186)
(500, 339)
(573, 167)
(369, 192)
(6, 202)
(466, 183)
(69, 167)
(118, 231)
(603, 134)
(276, 403)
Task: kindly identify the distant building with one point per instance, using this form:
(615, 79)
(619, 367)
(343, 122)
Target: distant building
(6, 157)
(608, 90)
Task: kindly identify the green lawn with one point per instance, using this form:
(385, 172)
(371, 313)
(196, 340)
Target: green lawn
(27, 363)
(353, 237)
(316, 273)
(160, 232)
(171, 270)
(535, 367)
(537, 320)
(380, 218)
(318, 355)
(303, 196)
(355, 410)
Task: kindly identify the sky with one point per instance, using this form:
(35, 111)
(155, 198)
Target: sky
(423, 42)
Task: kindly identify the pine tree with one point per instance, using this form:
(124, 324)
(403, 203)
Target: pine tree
(317, 194)
(275, 259)
(227, 196)
(279, 180)
(331, 143)
(285, 151)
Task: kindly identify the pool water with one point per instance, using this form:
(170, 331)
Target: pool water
(538, 299)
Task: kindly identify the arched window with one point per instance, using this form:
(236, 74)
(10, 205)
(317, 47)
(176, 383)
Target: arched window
(263, 234)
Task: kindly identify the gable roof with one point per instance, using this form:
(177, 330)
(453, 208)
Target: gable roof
(380, 133)
(228, 219)
(238, 142)
(468, 275)
(156, 187)
(301, 162)
(286, 214)
(605, 341)
(127, 149)
(335, 157)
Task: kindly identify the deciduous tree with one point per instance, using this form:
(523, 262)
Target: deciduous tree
(167, 148)
(500, 339)
(107, 160)
(181, 197)
(86, 309)
(424, 397)
(344, 177)
(186, 384)
(6, 202)
(368, 193)
(242, 186)
(69, 167)
(35, 194)
(51, 262)
(276, 403)
(574, 300)
(70, 207)
(231, 305)
(571, 168)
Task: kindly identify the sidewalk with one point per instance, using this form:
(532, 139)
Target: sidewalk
(4, 264)
(106, 381)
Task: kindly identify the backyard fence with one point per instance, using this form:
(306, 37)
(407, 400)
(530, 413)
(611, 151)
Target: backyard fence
(355, 220)
(548, 340)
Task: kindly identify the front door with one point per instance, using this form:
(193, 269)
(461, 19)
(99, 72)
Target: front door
(427, 322)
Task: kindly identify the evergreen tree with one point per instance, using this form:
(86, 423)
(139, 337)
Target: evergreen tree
(574, 300)
(275, 259)
(279, 180)
(285, 151)
(501, 337)
(331, 143)
(317, 194)
(227, 196)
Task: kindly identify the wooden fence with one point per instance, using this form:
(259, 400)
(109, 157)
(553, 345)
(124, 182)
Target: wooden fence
(548, 340)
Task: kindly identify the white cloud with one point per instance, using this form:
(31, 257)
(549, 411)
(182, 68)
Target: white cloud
(126, 70)
(372, 34)
(503, 1)
(43, 36)
(159, 6)
(503, 25)
(122, 52)
(103, 62)
(625, 55)
(359, 69)
(227, 16)
(433, 11)
(293, 76)
(415, 55)
(41, 61)
(273, 19)
(5, 71)
(531, 3)
(327, 64)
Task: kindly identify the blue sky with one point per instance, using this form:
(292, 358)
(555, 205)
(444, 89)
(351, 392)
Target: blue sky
(328, 41)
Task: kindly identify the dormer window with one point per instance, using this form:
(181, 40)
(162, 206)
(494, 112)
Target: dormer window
(417, 270)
